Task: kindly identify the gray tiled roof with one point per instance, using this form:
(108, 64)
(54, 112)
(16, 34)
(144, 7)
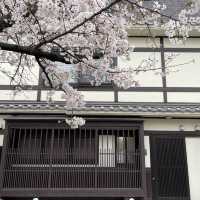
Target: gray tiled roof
(103, 108)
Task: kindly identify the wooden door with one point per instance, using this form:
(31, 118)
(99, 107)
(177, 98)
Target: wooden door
(169, 168)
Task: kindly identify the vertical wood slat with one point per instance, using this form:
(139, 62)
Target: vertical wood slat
(79, 150)
(51, 160)
(97, 155)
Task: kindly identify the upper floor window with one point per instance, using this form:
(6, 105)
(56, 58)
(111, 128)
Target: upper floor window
(127, 148)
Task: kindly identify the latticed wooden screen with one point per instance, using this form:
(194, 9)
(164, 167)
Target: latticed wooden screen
(64, 158)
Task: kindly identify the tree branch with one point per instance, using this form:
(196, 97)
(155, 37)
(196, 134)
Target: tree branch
(44, 71)
(78, 25)
(33, 52)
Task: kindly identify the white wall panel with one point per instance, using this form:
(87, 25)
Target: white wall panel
(56, 96)
(140, 97)
(193, 158)
(186, 70)
(23, 95)
(147, 149)
(189, 43)
(98, 96)
(144, 42)
(135, 59)
(30, 74)
(88, 96)
(192, 97)
(1, 140)
(171, 124)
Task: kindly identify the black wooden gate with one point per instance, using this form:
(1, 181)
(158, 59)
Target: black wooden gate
(169, 168)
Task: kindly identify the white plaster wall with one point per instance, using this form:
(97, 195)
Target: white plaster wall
(31, 74)
(171, 124)
(2, 123)
(1, 140)
(192, 97)
(135, 59)
(98, 96)
(57, 96)
(140, 97)
(190, 43)
(88, 96)
(193, 157)
(143, 42)
(147, 149)
(24, 95)
(187, 74)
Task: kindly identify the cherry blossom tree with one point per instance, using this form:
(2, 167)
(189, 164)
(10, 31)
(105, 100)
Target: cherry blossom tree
(86, 34)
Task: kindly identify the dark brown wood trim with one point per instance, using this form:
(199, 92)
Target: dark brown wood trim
(149, 183)
(187, 177)
(98, 122)
(144, 184)
(3, 154)
(2, 131)
(153, 170)
(164, 81)
(162, 132)
(21, 192)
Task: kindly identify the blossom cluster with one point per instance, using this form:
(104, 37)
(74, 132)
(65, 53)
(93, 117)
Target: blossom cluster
(75, 122)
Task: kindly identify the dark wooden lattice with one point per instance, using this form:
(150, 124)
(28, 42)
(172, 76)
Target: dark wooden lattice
(170, 168)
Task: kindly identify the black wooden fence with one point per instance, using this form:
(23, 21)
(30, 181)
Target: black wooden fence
(65, 158)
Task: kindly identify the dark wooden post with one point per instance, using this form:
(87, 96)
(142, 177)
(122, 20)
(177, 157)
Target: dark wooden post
(144, 184)
(3, 153)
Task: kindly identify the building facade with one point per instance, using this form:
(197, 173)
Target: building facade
(142, 143)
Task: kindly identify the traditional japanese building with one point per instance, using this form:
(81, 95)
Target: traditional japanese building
(142, 143)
